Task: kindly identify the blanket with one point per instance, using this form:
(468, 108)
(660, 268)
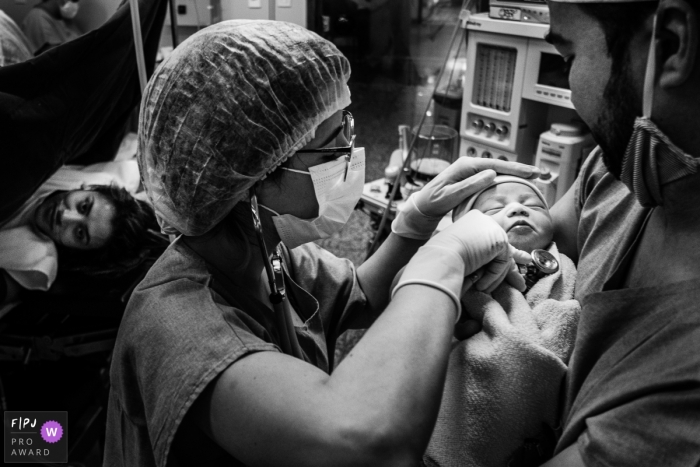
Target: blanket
(503, 384)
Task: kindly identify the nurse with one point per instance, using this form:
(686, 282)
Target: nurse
(225, 351)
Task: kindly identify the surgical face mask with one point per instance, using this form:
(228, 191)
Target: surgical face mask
(338, 187)
(651, 159)
(69, 9)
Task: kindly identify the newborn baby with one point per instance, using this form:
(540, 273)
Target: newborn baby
(519, 207)
(487, 408)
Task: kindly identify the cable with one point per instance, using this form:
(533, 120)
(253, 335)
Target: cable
(138, 43)
(375, 242)
(196, 12)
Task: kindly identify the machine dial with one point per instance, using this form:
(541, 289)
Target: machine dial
(486, 155)
(478, 124)
(502, 130)
(490, 127)
(471, 151)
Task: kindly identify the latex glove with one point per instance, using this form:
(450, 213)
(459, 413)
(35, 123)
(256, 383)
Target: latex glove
(418, 217)
(505, 381)
(474, 243)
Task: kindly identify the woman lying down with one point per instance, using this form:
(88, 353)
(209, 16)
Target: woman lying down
(88, 217)
(490, 415)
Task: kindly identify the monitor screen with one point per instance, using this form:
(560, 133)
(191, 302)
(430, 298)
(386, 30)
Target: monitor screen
(553, 71)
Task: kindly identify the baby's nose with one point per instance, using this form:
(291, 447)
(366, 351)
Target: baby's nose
(517, 209)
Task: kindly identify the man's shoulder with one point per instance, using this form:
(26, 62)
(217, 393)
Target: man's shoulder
(593, 172)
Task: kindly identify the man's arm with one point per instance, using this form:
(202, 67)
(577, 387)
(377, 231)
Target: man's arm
(565, 219)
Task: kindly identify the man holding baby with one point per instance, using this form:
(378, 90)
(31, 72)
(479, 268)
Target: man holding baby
(631, 395)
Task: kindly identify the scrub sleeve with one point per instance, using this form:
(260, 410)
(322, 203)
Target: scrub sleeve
(178, 334)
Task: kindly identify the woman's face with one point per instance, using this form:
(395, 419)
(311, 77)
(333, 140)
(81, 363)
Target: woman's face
(80, 219)
(292, 192)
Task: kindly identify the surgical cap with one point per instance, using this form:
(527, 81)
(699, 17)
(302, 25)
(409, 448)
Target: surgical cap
(468, 204)
(228, 106)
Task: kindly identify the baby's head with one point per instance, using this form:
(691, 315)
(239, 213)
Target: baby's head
(518, 206)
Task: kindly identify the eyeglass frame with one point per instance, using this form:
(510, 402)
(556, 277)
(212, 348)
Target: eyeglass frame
(346, 150)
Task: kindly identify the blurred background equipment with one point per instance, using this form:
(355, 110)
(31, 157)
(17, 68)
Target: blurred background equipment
(560, 152)
(435, 149)
(516, 88)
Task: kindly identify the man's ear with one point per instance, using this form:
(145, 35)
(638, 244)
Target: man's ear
(676, 41)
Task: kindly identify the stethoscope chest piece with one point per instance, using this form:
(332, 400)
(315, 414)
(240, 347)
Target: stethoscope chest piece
(543, 264)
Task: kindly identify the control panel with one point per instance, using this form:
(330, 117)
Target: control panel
(472, 149)
(488, 129)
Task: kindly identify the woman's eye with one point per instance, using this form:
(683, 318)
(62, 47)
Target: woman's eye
(80, 233)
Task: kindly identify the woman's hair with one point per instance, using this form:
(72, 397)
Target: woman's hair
(135, 233)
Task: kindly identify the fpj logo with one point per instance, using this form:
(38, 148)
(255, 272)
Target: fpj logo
(35, 437)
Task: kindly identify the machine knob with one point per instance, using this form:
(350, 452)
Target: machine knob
(502, 158)
(502, 130)
(478, 124)
(486, 155)
(471, 151)
(490, 127)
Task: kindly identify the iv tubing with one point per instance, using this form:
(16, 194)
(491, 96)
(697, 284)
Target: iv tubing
(138, 43)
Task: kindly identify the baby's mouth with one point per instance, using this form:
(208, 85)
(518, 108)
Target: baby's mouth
(520, 225)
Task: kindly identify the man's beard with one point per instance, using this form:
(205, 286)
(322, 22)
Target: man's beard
(613, 129)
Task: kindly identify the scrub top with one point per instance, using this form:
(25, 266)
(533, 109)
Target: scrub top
(185, 324)
(633, 387)
(43, 29)
(14, 47)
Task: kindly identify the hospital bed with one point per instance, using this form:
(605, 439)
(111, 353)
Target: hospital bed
(55, 351)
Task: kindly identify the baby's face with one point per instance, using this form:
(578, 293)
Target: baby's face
(520, 212)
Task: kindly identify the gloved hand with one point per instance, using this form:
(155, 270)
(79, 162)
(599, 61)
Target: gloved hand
(473, 244)
(420, 214)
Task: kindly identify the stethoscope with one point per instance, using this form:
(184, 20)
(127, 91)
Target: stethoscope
(543, 264)
(278, 296)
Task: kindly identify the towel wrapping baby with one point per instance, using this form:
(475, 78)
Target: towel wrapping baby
(489, 415)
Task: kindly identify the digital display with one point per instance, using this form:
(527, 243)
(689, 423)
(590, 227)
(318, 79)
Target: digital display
(553, 71)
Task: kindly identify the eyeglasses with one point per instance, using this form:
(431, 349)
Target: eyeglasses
(348, 131)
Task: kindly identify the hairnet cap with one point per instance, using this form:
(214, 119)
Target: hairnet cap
(228, 106)
(467, 205)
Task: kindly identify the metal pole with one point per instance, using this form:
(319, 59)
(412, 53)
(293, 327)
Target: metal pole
(173, 22)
